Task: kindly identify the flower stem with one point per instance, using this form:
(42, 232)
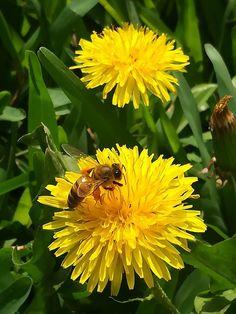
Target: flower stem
(162, 298)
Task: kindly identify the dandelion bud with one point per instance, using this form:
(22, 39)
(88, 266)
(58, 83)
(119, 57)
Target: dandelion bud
(223, 129)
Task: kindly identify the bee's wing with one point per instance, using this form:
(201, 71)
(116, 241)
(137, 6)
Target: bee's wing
(94, 186)
(89, 162)
(73, 151)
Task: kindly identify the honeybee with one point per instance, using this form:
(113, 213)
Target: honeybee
(91, 180)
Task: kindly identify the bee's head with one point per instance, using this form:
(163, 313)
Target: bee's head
(116, 170)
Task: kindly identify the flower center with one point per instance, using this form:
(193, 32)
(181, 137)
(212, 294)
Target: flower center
(133, 56)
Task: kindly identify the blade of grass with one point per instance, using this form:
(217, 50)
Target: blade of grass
(190, 110)
(40, 104)
(7, 41)
(14, 183)
(113, 13)
(151, 18)
(171, 135)
(12, 297)
(132, 12)
(187, 29)
(225, 85)
(68, 18)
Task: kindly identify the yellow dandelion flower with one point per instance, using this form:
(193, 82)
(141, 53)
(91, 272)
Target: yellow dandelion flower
(133, 229)
(134, 61)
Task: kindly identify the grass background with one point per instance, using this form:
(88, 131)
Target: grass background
(43, 105)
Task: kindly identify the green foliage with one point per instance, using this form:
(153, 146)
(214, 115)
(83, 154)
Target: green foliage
(43, 104)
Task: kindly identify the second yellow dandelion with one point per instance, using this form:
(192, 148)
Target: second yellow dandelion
(132, 61)
(136, 228)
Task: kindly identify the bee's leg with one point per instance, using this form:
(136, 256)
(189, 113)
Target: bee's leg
(118, 183)
(109, 188)
(97, 194)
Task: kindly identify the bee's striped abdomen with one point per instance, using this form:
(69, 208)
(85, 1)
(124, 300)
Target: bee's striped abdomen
(73, 198)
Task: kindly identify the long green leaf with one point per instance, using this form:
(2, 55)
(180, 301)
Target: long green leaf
(101, 118)
(225, 85)
(152, 19)
(6, 37)
(187, 29)
(114, 12)
(215, 260)
(187, 292)
(40, 103)
(171, 135)
(68, 18)
(15, 295)
(14, 183)
(191, 113)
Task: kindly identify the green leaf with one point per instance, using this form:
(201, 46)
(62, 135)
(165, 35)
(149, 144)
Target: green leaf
(42, 262)
(12, 114)
(225, 86)
(52, 8)
(214, 13)
(60, 101)
(53, 166)
(171, 134)
(149, 307)
(6, 276)
(215, 260)
(6, 37)
(209, 203)
(5, 97)
(187, 30)
(5, 262)
(14, 183)
(132, 12)
(149, 119)
(23, 255)
(152, 19)
(192, 285)
(100, 116)
(22, 211)
(40, 104)
(10, 230)
(218, 231)
(73, 289)
(34, 40)
(68, 18)
(35, 138)
(201, 93)
(38, 165)
(45, 300)
(227, 196)
(15, 295)
(114, 10)
(190, 110)
(75, 127)
(208, 303)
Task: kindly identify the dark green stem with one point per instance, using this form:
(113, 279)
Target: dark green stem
(163, 299)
